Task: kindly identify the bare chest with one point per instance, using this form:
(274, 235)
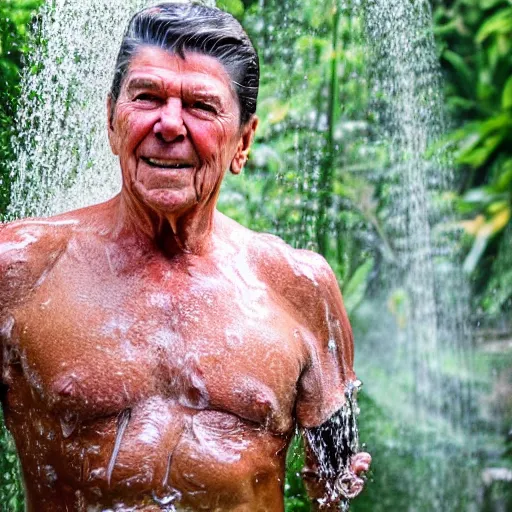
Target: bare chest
(94, 344)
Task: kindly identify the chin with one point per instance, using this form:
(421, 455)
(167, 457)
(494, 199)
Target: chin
(169, 201)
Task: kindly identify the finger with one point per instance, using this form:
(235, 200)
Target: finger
(359, 466)
(360, 462)
(363, 456)
(356, 487)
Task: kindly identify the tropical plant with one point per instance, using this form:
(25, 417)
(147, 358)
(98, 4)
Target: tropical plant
(15, 16)
(475, 39)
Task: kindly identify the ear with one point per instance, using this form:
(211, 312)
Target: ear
(244, 145)
(112, 136)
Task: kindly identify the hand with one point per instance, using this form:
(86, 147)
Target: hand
(360, 463)
(351, 483)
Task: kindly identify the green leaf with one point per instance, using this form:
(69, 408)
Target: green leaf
(506, 98)
(489, 4)
(504, 182)
(461, 103)
(460, 66)
(478, 156)
(448, 28)
(499, 23)
(234, 7)
(354, 290)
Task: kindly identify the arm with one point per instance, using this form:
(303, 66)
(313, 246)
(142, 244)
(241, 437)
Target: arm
(332, 473)
(16, 276)
(3, 271)
(327, 407)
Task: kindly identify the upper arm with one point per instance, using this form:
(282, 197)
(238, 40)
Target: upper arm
(20, 262)
(329, 370)
(308, 289)
(12, 263)
(326, 406)
(4, 290)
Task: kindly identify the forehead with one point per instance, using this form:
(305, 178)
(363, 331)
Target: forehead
(156, 64)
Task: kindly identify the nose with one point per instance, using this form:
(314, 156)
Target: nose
(170, 127)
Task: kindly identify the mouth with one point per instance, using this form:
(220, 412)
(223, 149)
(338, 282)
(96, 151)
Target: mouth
(166, 164)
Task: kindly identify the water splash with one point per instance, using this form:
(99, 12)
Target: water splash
(333, 445)
(122, 423)
(167, 502)
(68, 424)
(425, 279)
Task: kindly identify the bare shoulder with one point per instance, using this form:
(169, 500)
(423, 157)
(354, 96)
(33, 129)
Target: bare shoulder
(303, 282)
(303, 269)
(297, 275)
(27, 248)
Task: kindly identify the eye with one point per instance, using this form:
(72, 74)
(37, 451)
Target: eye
(146, 97)
(201, 105)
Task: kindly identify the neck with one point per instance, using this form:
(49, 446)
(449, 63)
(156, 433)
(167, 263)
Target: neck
(185, 233)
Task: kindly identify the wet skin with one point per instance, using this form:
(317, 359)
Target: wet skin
(154, 353)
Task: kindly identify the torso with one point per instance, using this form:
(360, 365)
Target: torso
(148, 386)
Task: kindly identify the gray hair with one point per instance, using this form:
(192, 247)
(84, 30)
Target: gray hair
(179, 28)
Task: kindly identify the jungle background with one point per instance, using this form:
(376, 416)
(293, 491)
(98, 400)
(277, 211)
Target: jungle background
(319, 103)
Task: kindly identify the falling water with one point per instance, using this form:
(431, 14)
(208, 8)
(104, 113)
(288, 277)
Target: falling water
(432, 349)
(342, 433)
(407, 75)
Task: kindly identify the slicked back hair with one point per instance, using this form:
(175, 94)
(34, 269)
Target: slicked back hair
(178, 28)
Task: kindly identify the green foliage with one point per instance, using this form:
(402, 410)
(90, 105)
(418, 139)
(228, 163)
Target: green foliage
(497, 293)
(403, 456)
(235, 7)
(14, 18)
(295, 497)
(11, 494)
(307, 179)
(476, 43)
(355, 290)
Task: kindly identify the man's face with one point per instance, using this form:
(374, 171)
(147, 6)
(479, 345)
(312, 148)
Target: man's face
(176, 129)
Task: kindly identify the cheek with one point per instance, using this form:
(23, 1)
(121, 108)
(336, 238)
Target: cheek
(215, 149)
(131, 128)
(211, 140)
(209, 177)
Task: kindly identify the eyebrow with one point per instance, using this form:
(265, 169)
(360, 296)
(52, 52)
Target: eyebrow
(207, 96)
(136, 84)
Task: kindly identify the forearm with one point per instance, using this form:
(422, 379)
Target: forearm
(328, 475)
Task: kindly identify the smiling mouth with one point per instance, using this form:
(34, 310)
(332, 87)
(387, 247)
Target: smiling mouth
(166, 164)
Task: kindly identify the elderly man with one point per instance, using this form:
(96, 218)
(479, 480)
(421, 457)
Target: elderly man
(156, 355)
